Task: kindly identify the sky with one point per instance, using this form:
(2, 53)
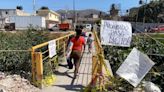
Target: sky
(103, 5)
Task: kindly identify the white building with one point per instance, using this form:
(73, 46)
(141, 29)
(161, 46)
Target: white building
(95, 16)
(24, 22)
(6, 13)
(51, 17)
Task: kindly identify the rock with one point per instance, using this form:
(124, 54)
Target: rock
(2, 90)
(150, 87)
(7, 82)
(14, 83)
(2, 75)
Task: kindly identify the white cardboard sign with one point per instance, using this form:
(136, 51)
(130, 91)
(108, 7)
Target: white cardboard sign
(52, 48)
(116, 33)
(135, 67)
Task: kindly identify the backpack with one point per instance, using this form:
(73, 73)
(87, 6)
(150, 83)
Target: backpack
(83, 34)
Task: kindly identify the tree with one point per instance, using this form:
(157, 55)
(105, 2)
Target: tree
(100, 14)
(153, 12)
(19, 7)
(91, 15)
(114, 12)
(44, 8)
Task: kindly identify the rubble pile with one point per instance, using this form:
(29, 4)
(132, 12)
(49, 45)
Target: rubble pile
(14, 83)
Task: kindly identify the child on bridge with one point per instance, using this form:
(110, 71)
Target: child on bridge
(89, 43)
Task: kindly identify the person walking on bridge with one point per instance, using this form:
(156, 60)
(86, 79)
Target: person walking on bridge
(77, 49)
(89, 43)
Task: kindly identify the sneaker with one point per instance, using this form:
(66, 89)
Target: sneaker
(74, 76)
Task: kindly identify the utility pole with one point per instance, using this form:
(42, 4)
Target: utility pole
(74, 19)
(144, 11)
(34, 6)
(144, 5)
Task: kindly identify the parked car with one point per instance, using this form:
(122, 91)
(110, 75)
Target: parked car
(159, 28)
(54, 28)
(9, 26)
(88, 26)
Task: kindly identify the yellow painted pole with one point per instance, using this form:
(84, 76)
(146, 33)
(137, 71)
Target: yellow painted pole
(64, 49)
(94, 70)
(39, 68)
(33, 66)
(58, 44)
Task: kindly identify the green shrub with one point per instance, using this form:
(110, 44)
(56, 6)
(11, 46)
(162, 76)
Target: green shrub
(117, 55)
(19, 61)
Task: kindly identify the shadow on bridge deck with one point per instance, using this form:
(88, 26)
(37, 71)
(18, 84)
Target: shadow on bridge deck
(65, 81)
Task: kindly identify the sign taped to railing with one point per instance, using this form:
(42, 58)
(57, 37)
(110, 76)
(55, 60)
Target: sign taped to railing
(116, 33)
(135, 67)
(52, 48)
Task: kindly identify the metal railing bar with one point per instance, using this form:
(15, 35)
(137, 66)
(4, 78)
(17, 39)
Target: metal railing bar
(45, 52)
(52, 59)
(45, 58)
(46, 43)
(156, 54)
(15, 50)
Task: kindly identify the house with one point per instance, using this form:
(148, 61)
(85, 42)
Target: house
(26, 22)
(51, 17)
(95, 16)
(6, 13)
(87, 20)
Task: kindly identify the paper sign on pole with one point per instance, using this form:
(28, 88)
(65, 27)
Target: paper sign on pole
(116, 33)
(52, 48)
(135, 67)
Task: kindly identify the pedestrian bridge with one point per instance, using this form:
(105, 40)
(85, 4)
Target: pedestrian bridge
(52, 74)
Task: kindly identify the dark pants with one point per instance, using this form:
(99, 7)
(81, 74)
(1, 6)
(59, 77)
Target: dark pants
(76, 56)
(69, 62)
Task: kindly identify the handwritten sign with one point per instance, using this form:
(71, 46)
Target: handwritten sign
(52, 48)
(116, 33)
(135, 67)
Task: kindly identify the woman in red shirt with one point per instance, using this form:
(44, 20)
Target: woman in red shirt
(78, 44)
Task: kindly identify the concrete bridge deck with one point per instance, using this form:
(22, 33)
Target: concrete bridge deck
(65, 81)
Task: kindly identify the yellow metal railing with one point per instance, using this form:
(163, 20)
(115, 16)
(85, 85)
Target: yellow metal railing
(40, 54)
(99, 68)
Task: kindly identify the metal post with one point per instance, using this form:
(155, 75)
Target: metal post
(64, 49)
(33, 70)
(74, 19)
(136, 18)
(39, 69)
(34, 2)
(144, 12)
